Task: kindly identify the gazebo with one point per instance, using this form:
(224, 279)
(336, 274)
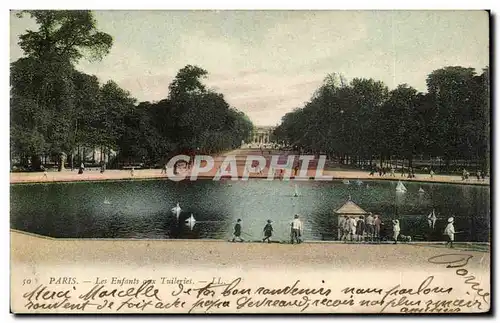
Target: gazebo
(350, 209)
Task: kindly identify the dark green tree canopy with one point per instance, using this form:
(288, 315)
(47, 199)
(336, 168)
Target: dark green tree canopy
(65, 33)
(363, 120)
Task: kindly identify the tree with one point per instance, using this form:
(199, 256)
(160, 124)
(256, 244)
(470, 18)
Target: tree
(86, 119)
(193, 119)
(362, 119)
(187, 81)
(114, 105)
(45, 90)
(452, 91)
(45, 79)
(65, 33)
(400, 123)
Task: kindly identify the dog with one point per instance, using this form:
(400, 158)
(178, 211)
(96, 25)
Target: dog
(404, 238)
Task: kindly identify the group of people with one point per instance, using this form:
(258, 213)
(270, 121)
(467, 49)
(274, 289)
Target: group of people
(359, 229)
(409, 173)
(480, 175)
(382, 171)
(295, 231)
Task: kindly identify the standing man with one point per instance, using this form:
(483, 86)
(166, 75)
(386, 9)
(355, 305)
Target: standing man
(345, 228)
(352, 227)
(377, 223)
(450, 232)
(370, 226)
(237, 231)
(360, 229)
(296, 229)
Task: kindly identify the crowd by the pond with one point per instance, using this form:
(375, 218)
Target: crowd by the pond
(353, 229)
(410, 172)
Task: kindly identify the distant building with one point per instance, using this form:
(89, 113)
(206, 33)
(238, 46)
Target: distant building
(262, 135)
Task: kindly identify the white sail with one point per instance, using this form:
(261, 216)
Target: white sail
(106, 201)
(421, 190)
(431, 219)
(177, 210)
(191, 221)
(296, 191)
(400, 187)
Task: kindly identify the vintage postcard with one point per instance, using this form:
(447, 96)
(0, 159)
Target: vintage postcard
(218, 161)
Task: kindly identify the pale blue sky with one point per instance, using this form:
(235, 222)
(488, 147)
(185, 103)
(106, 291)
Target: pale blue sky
(267, 63)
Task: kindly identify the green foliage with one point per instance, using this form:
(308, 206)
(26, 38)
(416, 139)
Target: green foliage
(65, 33)
(191, 120)
(364, 120)
(57, 110)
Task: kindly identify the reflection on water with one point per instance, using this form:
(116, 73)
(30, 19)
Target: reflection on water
(143, 209)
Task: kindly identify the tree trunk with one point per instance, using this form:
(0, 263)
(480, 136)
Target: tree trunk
(36, 162)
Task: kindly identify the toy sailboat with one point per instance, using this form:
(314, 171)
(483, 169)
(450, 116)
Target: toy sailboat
(191, 221)
(177, 210)
(431, 219)
(400, 187)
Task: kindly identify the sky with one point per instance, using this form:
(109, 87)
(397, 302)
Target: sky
(267, 63)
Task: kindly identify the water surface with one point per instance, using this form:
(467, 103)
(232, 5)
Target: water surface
(142, 209)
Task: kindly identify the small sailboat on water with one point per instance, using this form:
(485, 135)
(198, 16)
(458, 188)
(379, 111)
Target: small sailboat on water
(177, 210)
(106, 201)
(296, 194)
(421, 190)
(431, 219)
(400, 188)
(191, 221)
(346, 182)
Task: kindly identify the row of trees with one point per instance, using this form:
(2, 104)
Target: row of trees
(58, 111)
(362, 121)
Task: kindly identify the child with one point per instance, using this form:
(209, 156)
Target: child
(450, 232)
(396, 229)
(237, 231)
(268, 232)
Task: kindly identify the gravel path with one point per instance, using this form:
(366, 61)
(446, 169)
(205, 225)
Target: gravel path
(240, 156)
(29, 248)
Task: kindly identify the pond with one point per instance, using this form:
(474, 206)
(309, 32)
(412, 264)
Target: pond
(143, 209)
